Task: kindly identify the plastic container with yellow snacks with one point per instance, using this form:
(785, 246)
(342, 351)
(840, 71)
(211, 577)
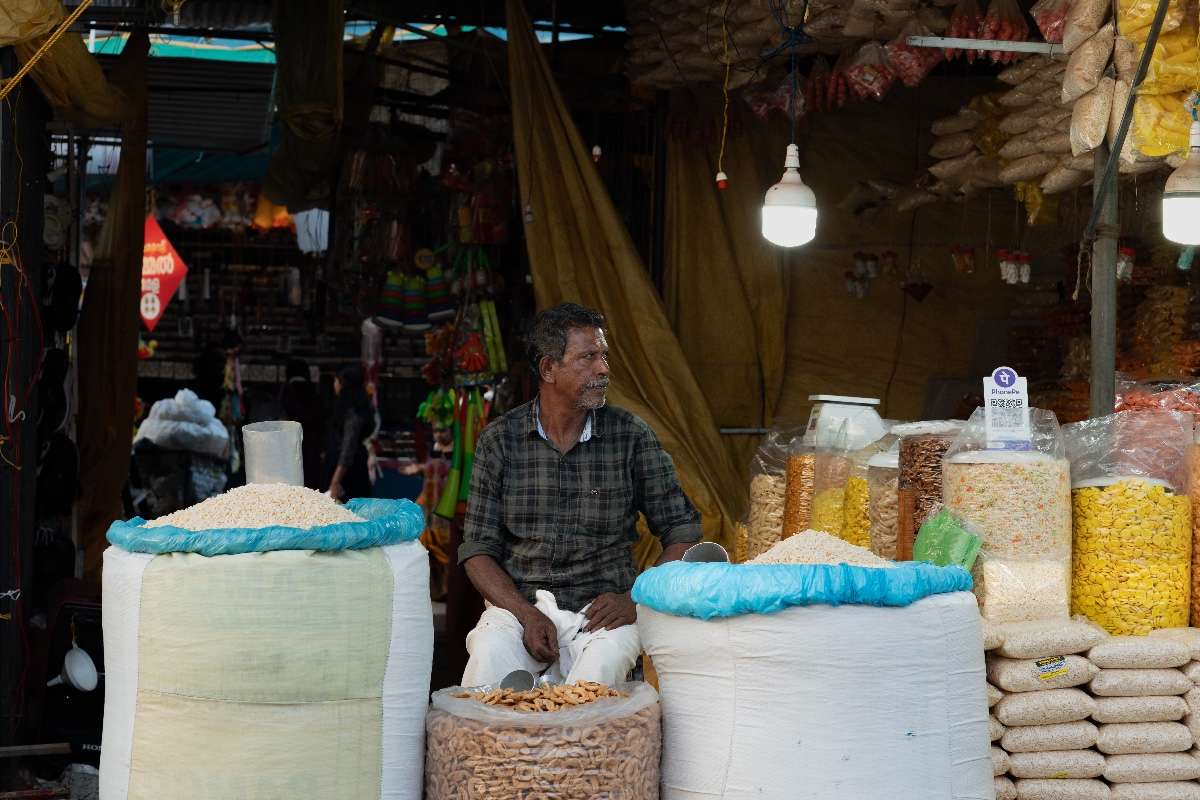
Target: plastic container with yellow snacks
(829, 492)
(1133, 555)
(1132, 565)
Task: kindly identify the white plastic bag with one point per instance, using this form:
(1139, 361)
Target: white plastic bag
(185, 422)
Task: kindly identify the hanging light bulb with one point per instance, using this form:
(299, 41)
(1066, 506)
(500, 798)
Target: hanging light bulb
(1181, 197)
(789, 213)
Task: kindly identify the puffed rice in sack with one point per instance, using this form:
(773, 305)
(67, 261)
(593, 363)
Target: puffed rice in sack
(1005, 789)
(1084, 18)
(1176, 790)
(1028, 168)
(1045, 738)
(1056, 118)
(1125, 59)
(1056, 144)
(1045, 708)
(1143, 737)
(1033, 675)
(993, 636)
(1192, 671)
(1062, 790)
(995, 728)
(994, 696)
(1023, 70)
(1018, 122)
(1140, 709)
(1064, 179)
(1139, 683)
(1120, 98)
(1086, 67)
(1192, 723)
(961, 122)
(1025, 144)
(1077, 764)
(1089, 120)
(1021, 96)
(952, 146)
(1139, 652)
(1189, 636)
(999, 762)
(1050, 637)
(1151, 768)
(951, 168)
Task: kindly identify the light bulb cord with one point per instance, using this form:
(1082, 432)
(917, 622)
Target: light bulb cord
(792, 104)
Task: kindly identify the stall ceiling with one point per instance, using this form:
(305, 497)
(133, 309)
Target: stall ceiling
(208, 105)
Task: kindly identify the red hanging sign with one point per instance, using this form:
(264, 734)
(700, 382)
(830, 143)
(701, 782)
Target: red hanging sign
(162, 272)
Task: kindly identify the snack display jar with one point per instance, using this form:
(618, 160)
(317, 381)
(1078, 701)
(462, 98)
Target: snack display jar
(883, 475)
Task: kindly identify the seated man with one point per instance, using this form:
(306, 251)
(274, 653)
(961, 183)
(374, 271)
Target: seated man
(555, 495)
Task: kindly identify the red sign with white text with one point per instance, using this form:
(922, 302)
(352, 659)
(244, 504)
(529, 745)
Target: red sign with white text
(162, 272)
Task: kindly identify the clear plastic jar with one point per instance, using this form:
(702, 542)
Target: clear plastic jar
(883, 474)
(1133, 555)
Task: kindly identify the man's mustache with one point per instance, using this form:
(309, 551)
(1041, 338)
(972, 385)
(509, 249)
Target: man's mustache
(600, 385)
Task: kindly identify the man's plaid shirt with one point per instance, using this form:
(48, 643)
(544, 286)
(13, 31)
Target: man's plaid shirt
(567, 524)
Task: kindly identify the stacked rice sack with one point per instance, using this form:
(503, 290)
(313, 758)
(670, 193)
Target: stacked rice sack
(1140, 694)
(1048, 740)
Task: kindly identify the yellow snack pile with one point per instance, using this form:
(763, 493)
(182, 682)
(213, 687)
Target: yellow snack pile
(1133, 557)
(1134, 18)
(856, 512)
(1194, 492)
(827, 510)
(1161, 123)
(1175, 65)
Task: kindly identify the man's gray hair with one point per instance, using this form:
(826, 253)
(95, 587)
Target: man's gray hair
(548, 336)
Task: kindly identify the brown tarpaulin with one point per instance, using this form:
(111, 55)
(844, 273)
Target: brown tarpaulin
(108, 325)
(580, 251)
(72, 80)
(725, 287)
(308, 53)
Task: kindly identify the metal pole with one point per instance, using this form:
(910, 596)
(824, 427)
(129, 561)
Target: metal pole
(1104, 289)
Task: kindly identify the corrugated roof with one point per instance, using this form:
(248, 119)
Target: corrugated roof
(208, 105)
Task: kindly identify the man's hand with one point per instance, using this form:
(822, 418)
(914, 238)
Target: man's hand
(610, 611)
(540, 636)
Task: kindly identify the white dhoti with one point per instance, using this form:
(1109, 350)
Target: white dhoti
(497, 648)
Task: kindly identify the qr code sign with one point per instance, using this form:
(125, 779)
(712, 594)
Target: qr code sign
(1007, 413)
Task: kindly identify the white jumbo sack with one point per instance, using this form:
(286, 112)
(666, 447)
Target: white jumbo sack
(269, 674)
(820, 702)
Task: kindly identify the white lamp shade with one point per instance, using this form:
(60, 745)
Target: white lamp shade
(1181, 197)
(789, 214)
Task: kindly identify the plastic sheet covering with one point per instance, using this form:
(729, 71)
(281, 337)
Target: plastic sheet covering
(579, 251)
(185, 422)
(21, 20)
(282, 674)
(1132, 520)
(387, 522)
(728, 590)
(607, 748)
(792, 705)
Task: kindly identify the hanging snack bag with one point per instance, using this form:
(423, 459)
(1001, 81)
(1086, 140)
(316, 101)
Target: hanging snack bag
(1004, 22)
(1134, 18)
(1020, 501)
(1084, 19)
(1161, 123)
(1175, 63)
(911, 64)
(1132, 520)
(1089, 121)
(964, 24)
(1087, 64)
(868, 74)
(1051, 19)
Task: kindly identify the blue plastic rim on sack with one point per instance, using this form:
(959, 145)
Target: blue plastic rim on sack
(386, 522)
(729, 590)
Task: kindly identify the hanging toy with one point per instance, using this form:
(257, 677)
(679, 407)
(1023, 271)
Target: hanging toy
(448, 503)
(596, 154)
(1186, 255)
(722, 181)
